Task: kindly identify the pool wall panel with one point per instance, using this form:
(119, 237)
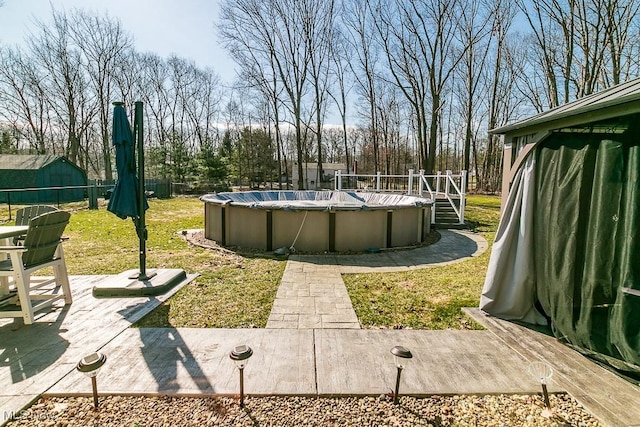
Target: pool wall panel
(213, 222)
(314, 235)
(404, 229)
(246, 227)
(426, 222)
(358, 230)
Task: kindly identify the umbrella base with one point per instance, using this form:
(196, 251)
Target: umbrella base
(129, 284)
(142, 277)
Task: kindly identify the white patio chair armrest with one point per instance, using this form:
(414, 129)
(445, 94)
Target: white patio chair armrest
(12, 249)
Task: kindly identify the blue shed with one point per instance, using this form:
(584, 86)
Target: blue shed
(22, 171)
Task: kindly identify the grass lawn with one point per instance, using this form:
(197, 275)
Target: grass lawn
(238, 290)
(232, 291)
(430, 298)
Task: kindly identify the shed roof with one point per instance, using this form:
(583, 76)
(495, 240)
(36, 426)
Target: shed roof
(332, 166)
(619, 100)
(26, 161)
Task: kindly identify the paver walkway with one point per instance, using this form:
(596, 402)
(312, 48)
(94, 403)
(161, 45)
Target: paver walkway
(312, 294)
(312, 297)
(454, 246)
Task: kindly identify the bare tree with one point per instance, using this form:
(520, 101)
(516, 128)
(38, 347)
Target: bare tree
(153, 89)
(24, 97)
(419, 40)
(476, 22)
(262, 77)
(104, 43)
(547, 43)
(361, 31)
(319, 30)
(622, 16)
(579, 44)
(203, 105)
(504, 92)
(66, 83)
(274, 32)
(340, 57)
(128, 78)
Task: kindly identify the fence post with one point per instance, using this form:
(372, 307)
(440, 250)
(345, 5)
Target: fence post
(463, 190)
(338, 183)
(92, 194)
(448, 183)
(410, 182)
(378, 181)
(421, 183)
(433, 212)
(438, 182)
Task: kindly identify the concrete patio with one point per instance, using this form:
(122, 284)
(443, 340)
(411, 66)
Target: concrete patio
(313, 360)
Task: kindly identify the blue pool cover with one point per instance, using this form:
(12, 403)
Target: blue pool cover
(316, 200)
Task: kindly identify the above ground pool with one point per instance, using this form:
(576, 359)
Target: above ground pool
(316, 221)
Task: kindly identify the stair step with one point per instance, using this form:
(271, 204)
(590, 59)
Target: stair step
(445, 205)
(450, 226)
(445, 209)
(446, 213)
(447, 219)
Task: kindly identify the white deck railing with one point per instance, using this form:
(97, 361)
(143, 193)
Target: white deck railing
(449, 186)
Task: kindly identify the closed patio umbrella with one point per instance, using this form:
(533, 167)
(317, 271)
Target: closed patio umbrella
(129, 201)
(128, 198)
(124, 200)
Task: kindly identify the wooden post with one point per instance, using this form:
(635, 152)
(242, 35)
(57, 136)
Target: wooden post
(507, 156)
(410, 192)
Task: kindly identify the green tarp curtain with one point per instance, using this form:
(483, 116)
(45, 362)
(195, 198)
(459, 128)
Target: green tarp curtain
(587, 243)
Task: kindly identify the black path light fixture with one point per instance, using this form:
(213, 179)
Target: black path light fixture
(542, 372)
(401, 357)
(240, 356)
(90, 366)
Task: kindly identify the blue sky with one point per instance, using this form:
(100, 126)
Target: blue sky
(182, 27)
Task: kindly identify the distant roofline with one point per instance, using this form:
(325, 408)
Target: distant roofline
(311, 165)
(34, 161)
(28, 161)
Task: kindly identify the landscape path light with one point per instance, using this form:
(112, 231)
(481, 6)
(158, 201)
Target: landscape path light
(90, 366)
(240, 356)
(542, 372)
(401, 357)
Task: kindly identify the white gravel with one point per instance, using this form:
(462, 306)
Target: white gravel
(490, 410)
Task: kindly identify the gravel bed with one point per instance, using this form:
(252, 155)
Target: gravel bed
(196, 237)
(459, 410)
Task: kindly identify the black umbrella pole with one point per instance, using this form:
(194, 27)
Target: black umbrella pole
(142, 227)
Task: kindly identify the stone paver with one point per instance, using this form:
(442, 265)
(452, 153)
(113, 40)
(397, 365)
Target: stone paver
(312, 297)
(312, 294)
